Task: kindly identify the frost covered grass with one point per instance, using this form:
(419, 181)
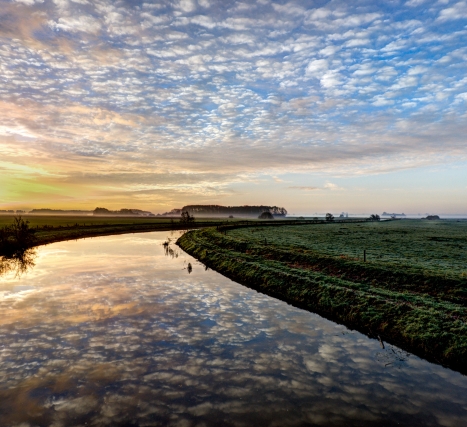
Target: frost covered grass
(411, 291)
(439, 247)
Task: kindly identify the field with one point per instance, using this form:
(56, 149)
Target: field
(411, 291)
(70, 220)
(433, 247)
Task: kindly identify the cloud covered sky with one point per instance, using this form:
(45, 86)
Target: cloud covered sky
(314, 105)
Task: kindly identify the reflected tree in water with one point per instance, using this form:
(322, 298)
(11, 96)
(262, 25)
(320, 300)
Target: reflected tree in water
(19, 263)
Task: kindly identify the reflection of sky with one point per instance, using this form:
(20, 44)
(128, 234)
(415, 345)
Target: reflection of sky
(111, 330)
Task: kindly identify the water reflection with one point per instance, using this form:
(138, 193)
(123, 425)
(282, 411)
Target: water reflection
(18, 264)
(113, 332)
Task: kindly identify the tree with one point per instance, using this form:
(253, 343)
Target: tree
(16, 238)
(186, 218)
(374, 217)
(329, 217)
(22, 233)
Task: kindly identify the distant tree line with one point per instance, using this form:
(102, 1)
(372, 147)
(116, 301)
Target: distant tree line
(233, 210)
(58, 211)
(122, 212)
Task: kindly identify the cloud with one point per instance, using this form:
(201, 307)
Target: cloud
(331, 186)
(457, 11)
(414, 3)
(186, 5)
(29, 2)
(183, 86)
(85, 24)
(317, 66)
(304, 188)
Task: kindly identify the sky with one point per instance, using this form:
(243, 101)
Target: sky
(313, 105)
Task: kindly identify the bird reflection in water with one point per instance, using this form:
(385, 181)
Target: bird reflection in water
(19, 263)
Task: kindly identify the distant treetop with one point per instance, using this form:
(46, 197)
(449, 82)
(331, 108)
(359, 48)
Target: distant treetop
(122, 212)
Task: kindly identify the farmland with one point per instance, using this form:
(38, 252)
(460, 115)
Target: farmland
(433, 247)
(411, 291)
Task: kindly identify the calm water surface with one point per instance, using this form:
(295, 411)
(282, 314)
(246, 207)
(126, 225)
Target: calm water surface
(115, 331)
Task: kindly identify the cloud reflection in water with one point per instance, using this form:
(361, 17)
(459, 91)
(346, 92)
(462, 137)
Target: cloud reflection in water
(112, 330)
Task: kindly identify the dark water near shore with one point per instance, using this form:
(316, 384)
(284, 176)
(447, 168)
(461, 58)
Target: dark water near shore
(115, 331)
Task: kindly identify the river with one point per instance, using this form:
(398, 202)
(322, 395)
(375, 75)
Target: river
(119, 331)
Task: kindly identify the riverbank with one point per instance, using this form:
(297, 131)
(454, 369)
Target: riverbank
(53, 231)
(418, 310)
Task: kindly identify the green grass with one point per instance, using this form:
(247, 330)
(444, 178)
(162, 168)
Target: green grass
(55, 221)
(50, 228)
(438, 247)
(411, 295)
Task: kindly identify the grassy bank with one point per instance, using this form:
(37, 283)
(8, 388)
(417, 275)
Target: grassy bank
(50, 229)
(417, 303)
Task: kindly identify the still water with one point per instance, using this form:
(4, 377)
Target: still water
(116, 331)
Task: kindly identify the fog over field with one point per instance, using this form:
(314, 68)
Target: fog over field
(312, 105)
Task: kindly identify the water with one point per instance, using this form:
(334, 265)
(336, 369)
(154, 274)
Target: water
(115, 331)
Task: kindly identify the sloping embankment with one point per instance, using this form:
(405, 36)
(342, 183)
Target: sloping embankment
(425, 315)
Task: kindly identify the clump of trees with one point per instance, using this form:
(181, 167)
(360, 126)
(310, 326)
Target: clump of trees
(374, 217)
(266, 215)
(329, 217)
(432, 217)
(16, 238)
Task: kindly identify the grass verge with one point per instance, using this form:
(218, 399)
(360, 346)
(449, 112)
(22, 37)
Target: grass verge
(421, 312)
(55, 229)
